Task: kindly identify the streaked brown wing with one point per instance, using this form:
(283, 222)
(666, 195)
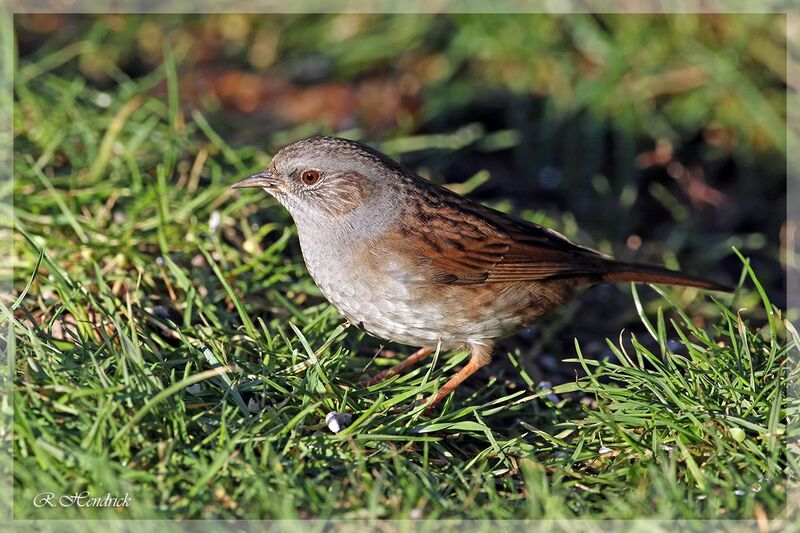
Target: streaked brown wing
(463, 242)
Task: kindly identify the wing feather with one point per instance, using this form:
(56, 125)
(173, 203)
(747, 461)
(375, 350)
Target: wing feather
(462, 242)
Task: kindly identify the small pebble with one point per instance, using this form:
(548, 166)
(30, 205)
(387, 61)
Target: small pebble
(338, 421)
(255, 405)
(545, 386)
(605, 449)
(674, 346)
(214, 221)
(196, 389)
(102, 100)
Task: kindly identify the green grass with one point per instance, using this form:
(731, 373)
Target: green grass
(153, 307)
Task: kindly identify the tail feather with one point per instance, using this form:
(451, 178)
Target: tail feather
(639, 273)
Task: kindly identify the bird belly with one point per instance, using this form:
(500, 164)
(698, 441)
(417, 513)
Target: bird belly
(382, 305)
(390, 297)
(395, 308)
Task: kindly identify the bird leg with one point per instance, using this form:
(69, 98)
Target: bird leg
(481, 356)
(400, 367)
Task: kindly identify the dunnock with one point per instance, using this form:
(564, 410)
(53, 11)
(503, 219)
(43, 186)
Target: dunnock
(417, 264)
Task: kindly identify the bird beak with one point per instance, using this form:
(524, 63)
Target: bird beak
(263, 179)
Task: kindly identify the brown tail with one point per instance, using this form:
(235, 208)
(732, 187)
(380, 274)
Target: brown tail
(639, 273)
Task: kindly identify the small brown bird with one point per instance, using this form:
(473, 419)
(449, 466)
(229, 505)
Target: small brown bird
(417, 264)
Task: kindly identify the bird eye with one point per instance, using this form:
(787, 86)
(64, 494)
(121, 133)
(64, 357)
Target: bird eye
(310, 177)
